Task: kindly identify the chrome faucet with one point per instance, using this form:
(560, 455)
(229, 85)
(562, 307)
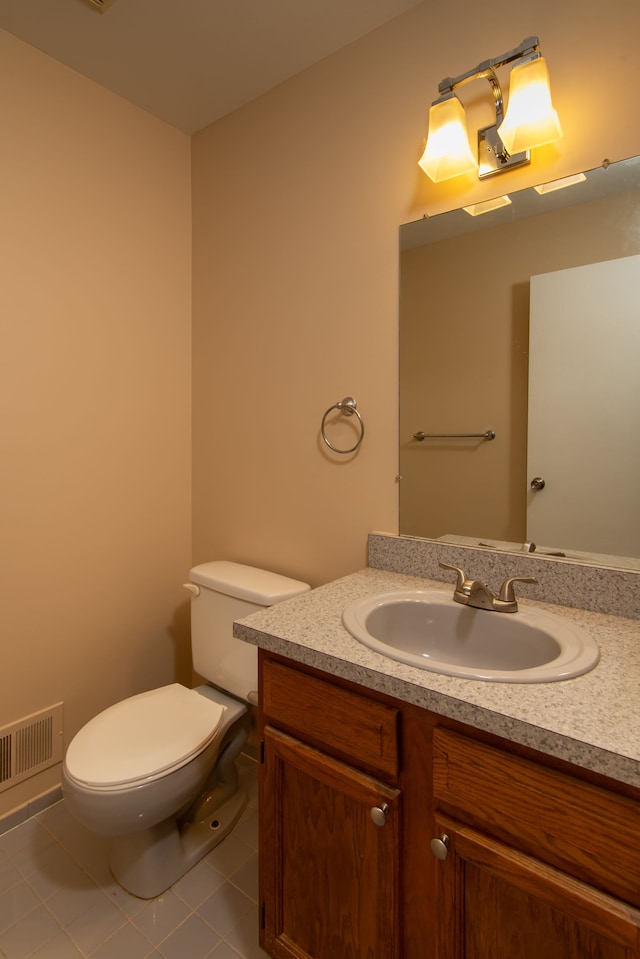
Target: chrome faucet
(472, 592)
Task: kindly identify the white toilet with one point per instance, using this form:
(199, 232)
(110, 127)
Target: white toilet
(157, 772)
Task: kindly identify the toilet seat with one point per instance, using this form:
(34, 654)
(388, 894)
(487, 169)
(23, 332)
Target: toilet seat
(143, 738)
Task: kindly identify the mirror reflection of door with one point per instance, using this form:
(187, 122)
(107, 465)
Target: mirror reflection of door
(584, 363)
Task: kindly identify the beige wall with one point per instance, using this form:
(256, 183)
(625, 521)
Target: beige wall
(95, 396)
(297, 201)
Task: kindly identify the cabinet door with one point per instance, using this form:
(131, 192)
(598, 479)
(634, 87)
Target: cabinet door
(329, 876)
(497, 903)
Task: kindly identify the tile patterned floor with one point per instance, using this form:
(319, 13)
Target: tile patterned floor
(58, 899)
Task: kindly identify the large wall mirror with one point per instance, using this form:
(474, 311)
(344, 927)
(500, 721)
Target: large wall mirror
(520, 371)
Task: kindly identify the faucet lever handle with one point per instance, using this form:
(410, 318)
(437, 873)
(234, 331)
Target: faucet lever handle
(507, 594)
(462, 579)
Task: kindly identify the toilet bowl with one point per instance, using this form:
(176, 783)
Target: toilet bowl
(156, 772)
(125, 778)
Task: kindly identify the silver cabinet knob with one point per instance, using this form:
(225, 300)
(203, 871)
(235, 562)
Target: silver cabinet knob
(440, 846)
(537, 483)
(379, 814)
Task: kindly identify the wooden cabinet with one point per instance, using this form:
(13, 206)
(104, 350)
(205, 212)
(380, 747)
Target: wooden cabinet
(329, 831)
(330, 876)
(535, 859)
(541, 861)
(494, 902)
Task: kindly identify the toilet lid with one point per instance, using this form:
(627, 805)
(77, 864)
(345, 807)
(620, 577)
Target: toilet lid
(143, 736)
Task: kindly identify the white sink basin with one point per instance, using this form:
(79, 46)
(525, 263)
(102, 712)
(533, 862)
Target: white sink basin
(425, 628)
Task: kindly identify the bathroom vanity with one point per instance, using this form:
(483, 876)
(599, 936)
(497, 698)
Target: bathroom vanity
(409, 814)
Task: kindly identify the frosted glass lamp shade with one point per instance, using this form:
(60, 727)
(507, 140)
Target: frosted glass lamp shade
(447, 153)
(530, 120)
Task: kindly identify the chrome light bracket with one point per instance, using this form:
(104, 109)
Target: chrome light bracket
(493, 156)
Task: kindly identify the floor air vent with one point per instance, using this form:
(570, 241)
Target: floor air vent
(30, 745)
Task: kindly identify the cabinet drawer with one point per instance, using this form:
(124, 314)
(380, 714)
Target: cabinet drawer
(343, 723)
(582, 829)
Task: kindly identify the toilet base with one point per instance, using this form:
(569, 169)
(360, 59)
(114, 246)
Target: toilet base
(147, 863)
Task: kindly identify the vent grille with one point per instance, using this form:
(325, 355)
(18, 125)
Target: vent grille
(5, 758)
(30, 745)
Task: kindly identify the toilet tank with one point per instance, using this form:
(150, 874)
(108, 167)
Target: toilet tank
(229, 591)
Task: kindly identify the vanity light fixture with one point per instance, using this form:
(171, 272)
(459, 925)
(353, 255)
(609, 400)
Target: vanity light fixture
(530, 120)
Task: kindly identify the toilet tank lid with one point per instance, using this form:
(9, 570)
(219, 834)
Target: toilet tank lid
(246, 582)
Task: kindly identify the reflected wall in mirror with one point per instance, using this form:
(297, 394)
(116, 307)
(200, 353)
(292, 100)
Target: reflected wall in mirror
(465, 287)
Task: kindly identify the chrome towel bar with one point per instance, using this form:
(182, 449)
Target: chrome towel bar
(487, 435)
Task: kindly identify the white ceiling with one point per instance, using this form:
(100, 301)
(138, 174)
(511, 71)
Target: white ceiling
(190, 62)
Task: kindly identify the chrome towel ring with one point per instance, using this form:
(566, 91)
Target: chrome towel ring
(348, 406)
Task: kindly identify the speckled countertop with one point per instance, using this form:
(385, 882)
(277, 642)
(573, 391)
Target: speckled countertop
(592, 721)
